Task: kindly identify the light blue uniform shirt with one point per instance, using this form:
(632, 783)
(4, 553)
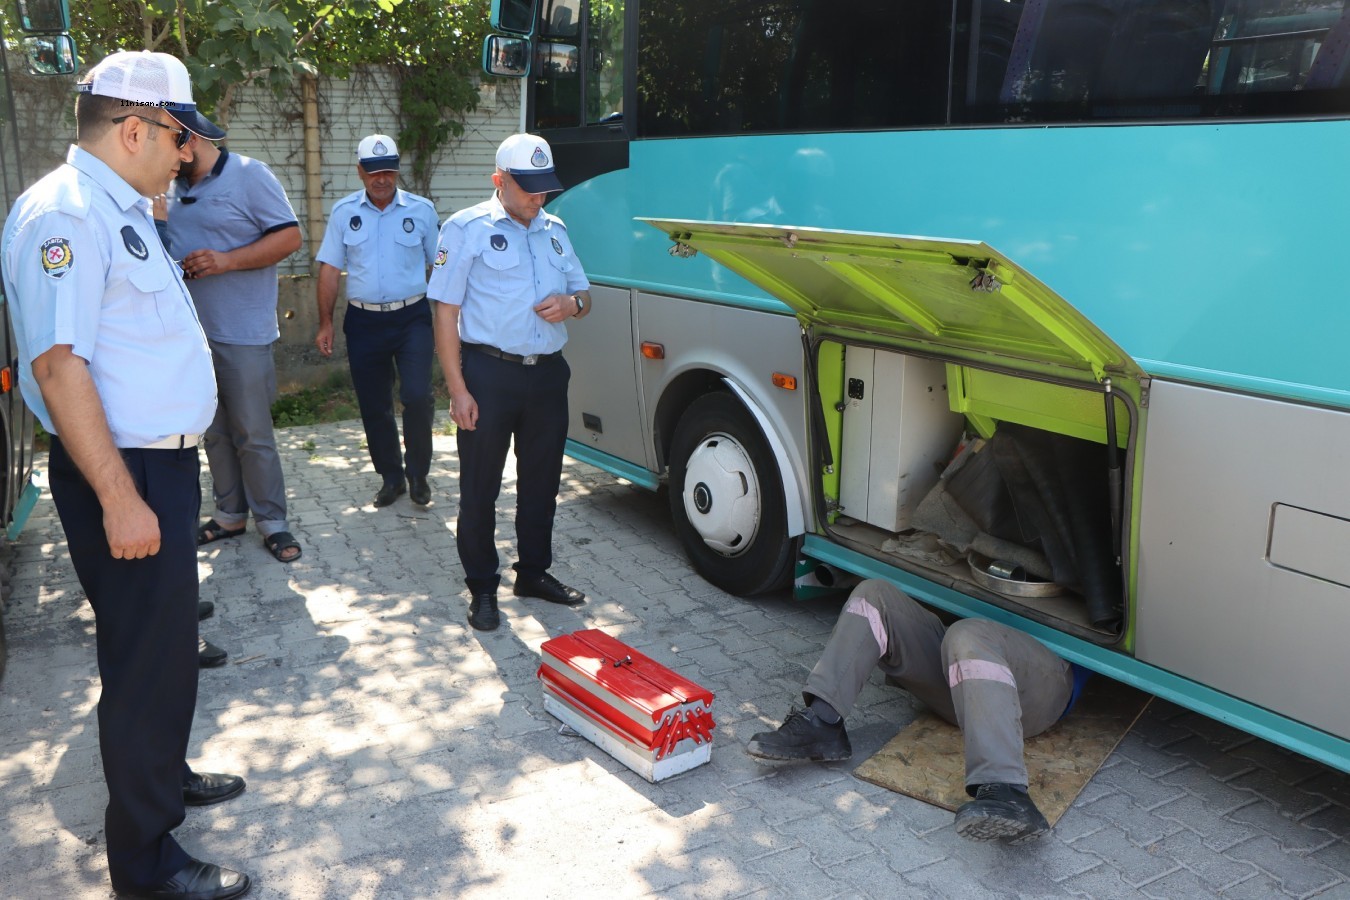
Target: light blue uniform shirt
(385, 252)
(496, 270)
(84, 266)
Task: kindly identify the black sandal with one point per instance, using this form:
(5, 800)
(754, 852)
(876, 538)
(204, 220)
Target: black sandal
(212, 531)
(280, 542)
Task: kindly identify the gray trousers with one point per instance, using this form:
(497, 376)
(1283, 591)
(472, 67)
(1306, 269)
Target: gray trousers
(997, 684)
(241, 448)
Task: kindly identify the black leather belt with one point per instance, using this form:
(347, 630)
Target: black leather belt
(530, 360)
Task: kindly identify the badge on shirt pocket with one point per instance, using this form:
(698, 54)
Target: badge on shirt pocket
(408, 225)
(499, 242)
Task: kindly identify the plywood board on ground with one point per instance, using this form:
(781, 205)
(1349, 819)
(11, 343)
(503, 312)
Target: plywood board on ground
(925, 759)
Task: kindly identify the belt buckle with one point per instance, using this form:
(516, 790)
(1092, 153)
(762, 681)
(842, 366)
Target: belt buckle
(529, 360)
(385, 307)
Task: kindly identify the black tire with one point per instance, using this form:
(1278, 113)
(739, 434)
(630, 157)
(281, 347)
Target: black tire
(733, 520)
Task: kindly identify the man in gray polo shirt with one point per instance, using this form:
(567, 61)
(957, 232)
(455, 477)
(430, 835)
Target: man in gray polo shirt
(231, 222)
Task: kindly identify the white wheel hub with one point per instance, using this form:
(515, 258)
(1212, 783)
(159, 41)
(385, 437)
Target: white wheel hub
(721, 494)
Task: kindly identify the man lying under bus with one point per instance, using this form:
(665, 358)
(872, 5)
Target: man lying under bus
(996, 684)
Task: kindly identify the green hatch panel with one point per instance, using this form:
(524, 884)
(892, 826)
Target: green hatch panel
(988, 397)
(962, 298)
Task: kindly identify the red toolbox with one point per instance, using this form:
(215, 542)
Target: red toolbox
(652, 720)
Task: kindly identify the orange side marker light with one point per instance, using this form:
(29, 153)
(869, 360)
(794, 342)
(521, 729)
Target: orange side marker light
(786, 382)
(653, 350)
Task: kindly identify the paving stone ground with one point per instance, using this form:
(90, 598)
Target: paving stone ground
(392, 752)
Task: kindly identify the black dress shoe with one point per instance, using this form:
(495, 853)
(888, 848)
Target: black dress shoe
(196, 881)
(389, 493)
(205, 609)
(205, 788)
(483, 614)
(209, 656)
(546, 587)
(419, 491)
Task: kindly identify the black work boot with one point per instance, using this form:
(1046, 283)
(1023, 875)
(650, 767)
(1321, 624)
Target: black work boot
(803, 735)
(1000, 812)
(483, 613)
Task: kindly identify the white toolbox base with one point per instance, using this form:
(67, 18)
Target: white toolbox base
(653, 770)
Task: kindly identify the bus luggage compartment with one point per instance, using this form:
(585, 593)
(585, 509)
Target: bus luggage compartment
(916, 341)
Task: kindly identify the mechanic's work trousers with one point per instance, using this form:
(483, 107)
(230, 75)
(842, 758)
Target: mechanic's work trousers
(377, 342)
(146, 630)
(529, 404)
(241, 448)
(997, 684)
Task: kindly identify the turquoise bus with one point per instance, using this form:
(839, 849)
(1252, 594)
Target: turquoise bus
(44, 41)
(1029, 306)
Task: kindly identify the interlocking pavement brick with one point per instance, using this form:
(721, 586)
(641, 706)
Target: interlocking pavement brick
(1214, 868)
(1179, 883)
(1215, 829)
(1296, 875)
(1137, 865)
(1143, 827)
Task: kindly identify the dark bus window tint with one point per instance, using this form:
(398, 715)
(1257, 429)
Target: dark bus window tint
(791, 65)
(561, 20)
(557, 65)
(1094, 60)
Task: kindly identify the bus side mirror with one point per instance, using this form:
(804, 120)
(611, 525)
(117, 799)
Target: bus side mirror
(507, 56)
(51, 54)
(515, 16)
(44, 15)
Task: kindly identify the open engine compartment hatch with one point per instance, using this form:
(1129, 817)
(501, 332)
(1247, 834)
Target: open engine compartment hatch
(943, 295)
(962, 410)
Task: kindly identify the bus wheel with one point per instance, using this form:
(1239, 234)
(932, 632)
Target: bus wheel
(726, 499)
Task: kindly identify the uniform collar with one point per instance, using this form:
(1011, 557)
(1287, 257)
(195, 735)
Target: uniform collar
(123, 194)
(397, 201)
(498, 213)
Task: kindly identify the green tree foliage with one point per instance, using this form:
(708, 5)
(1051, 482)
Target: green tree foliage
(432, 48)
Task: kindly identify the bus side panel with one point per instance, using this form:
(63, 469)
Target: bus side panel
(746, 346)
(603, 398)
(1235, 489)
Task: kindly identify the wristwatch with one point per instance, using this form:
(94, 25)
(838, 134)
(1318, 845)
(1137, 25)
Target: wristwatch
(581, 305)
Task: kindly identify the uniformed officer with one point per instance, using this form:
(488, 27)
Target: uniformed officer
(104, 322)
(508, 279)
(994, 682)
(385, 238)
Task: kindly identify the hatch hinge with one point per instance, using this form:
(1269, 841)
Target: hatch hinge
(1144, 383)
(681, 249)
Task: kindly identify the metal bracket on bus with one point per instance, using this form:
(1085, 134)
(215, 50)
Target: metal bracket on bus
(681, 250)
(985, 281)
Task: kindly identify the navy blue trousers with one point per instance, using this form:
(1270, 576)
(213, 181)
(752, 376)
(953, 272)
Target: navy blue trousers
(377, 343)
(146, 616)
(529, 404)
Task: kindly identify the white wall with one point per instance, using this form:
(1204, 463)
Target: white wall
(349, 110)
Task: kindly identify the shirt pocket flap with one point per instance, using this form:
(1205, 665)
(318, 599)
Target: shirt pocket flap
(150, 279)
(353, 236)
(500, 259)
(408, 238)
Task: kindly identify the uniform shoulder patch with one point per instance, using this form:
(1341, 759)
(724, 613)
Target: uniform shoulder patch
(441, 254)
(57, 257)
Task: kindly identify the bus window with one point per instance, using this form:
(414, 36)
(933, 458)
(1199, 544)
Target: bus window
(800, 65)
(604, 50)
(1091, 60)
(579, 75)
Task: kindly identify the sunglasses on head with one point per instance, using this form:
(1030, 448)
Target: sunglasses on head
(182, 135)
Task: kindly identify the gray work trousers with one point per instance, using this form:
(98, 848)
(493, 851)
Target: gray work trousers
(997, 684)
(241, 448)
